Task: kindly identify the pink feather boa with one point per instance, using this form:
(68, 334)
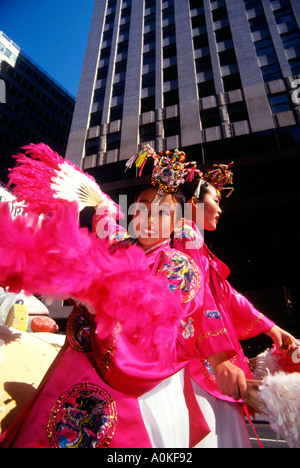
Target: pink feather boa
(54, 258)
(33, 176)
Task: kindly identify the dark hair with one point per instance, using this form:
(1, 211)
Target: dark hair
(188, 189)
(206, 187)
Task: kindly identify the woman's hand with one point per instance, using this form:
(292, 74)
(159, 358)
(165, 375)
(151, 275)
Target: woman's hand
(284, 341)
(230, 379)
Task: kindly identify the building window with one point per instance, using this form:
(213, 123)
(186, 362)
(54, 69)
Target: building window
(291, 39)
(220, 14)
(170, 74)
(203, 64)
(99, 95)
(148, 80)
(116, 113)
(295, 66)
(91, 147)
(122, 47)
(147, 104)
(147, 132)
(105, 53)
(268, 50)
(237, 112)
(279, 103)
(96, 118)
(201, 41)
(169, 32)
(172, 127)
(210, 118)
(232, 82)
(149, 38)
(171, 98)
(207, 88)
(113, 141)
(102, 73)
(121, 67)
(169, 51)
(223, 34)
(149, 57)
(196, 4)
(271, 72)
(118, 89)
(198, 21)
(227, 57)
(285, 15)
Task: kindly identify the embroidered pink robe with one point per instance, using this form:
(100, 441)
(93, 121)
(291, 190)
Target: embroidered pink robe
(227, 316)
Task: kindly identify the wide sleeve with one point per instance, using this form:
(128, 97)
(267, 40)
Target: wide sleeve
(214, 331)
(248, 321)
(203, 331)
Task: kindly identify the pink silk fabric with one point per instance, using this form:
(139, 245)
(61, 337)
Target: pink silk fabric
(226, 317)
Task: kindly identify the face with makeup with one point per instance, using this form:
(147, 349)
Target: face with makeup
(154, 217)
(212, 210)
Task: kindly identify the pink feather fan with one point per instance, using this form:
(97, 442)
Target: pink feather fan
(44, 181)
(56, 259)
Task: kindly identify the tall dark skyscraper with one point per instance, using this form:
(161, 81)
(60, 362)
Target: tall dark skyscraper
(185, 73)
(219, 79)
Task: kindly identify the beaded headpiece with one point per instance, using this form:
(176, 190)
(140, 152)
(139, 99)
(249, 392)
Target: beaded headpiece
(170, 168)
(219, 177)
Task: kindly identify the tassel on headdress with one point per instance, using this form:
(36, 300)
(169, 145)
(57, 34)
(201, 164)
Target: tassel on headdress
(219, 177)
(44, 181)
(140, 158)
(170, 168)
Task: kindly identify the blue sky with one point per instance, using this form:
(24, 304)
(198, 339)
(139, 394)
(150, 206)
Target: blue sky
(53, 33)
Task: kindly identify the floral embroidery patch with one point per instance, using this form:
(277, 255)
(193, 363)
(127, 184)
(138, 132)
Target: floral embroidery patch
(187, 233)
(78, 330)
(182, 273)
(120, 240)
(83, 417)
(189, 329)
(212, 314)
(209, 369)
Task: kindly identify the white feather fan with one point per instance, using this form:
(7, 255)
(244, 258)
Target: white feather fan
(278, 398)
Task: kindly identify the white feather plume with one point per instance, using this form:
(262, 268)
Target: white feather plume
(72, 185)
(43, 180)
(280, 394)
(272, 361)
(265, 363)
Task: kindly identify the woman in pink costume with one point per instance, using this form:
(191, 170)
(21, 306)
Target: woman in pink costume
(120, 355)
(219, 381)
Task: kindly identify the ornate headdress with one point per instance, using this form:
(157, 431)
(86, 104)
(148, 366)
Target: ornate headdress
(170, 168)
(218, 177)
